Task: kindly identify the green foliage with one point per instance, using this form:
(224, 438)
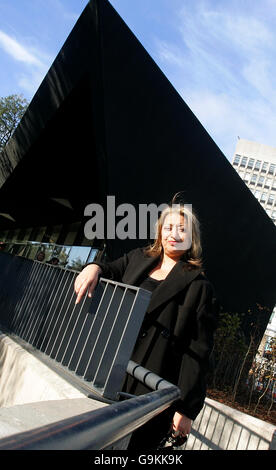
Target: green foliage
(238, 369)
(12, 109)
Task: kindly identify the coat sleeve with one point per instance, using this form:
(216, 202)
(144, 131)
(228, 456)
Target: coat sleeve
(195, 359)
(114, 270)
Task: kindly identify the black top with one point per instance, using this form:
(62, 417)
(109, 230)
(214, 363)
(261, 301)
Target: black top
(150, 284)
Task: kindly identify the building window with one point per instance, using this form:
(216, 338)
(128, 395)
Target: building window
(247, 176)
(257, 194)
(268, 182)
(243, 161)
(273, 215)
(264, 167)
(263, 197)
(260, 181)
(274, 185)
(257, 165)
(250, 163)
(268, 211)
(253, 179)
(271, 169)
(237, 159)
(271, 199)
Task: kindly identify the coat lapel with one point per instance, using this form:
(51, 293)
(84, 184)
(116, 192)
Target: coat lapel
(175, 282)
(139, 267)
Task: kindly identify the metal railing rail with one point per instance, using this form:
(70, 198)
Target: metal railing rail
(93, 339)
(99, 429)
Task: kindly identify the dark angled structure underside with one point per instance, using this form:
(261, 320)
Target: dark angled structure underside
(106, 121)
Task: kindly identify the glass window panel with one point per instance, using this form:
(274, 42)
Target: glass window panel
(92, 255)
(33, 250)
(257, 165)
(60, 255)
(268, 182)
(243, 161)
(270, 199)
(260, 180)
(264, 166)
(237, 159)
(250, 163)
(78, 257)
(272, 167)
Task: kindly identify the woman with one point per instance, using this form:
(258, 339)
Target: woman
(177, 333)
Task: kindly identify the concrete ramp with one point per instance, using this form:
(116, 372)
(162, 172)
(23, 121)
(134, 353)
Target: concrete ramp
(21, 418)
(25, 379)
(33, 395)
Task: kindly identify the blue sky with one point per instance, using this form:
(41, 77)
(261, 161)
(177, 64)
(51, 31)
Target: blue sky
(220, 55)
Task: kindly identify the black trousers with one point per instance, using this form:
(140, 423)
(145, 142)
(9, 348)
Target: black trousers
(148, 436)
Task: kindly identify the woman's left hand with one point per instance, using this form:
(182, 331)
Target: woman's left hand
(182, 424)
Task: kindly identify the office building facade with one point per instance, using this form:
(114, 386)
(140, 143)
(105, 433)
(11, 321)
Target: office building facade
(256, 165)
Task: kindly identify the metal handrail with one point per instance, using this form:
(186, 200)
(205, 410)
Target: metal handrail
(99, 429)
(93, 339)
(98, 337)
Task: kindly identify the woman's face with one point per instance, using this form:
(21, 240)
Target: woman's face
(173, 235)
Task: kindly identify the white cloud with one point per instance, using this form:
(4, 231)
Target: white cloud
(17, 51)
(225, 118)
(34, 63)
(224, 68)
(169, 53)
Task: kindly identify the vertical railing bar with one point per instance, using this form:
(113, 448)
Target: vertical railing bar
(28, 300)
(130, 320)
(40, 318)
(24, 300)
(58, 316)
(17, 310)
(214, 429)
(230, 435)
(237, 445)
(100, 330)
(97, 332)
(222, 432)
(122, 335)
(111, 330)
(53, 317)
(248, 440)
(60, 275)
(8, 300)
(64, 317)
(36, 287)
(84, 346)
(76, 323)
(35, 305)
(38, 306)
(10, 310)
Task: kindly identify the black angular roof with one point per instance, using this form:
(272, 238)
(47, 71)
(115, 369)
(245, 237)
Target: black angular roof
(106, 121)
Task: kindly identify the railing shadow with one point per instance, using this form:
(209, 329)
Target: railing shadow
(216, 430)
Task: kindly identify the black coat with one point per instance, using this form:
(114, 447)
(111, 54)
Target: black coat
(177, 334)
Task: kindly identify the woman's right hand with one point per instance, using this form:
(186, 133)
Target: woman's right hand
(87, 281)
